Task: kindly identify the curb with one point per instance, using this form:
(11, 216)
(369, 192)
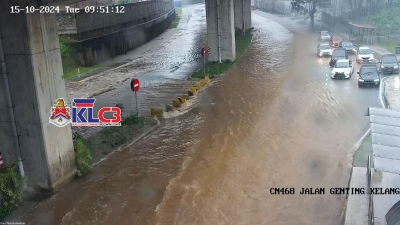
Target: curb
(130, 143)
(105, 90)
(382, 94)
(177, 103)
(251, 41)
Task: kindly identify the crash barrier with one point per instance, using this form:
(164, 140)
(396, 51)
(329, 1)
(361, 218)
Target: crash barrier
(156, 112)
(178, 102)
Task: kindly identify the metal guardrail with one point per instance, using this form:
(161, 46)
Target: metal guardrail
(370, 196)
(386, 102)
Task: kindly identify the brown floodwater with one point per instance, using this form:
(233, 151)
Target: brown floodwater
(266, 124)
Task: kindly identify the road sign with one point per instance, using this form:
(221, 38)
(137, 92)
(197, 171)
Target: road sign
(1, 160)
(135, 85)
(204, 51)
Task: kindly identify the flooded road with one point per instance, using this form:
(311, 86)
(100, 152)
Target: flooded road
(272, 126)
(162, 66)
(269, 123)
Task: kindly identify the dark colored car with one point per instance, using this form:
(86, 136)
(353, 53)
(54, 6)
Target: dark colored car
(339, 53)
(368, 75)
(335, 41)
(350, 48)
(389, 64)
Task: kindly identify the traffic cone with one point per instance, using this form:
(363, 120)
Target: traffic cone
(1, 160)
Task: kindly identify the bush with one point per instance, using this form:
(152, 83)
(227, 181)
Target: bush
(65, 48)
(115, 136)
(11, 189)
(83, 156)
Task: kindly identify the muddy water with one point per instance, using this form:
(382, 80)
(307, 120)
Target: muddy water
(266, 124)
(271, 126)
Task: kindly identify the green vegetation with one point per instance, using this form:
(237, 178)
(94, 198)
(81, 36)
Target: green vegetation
(377, 56)
(386, 22)
(108, 139)
(388, 46)
(83, 156)
(178, 14)
(11, 189)
(242, 42)
(73, 72)
(69, 61)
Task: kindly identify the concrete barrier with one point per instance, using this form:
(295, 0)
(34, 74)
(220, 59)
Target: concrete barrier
(192, 91)
(156, 112)
(176, 103)
(169, 108)
(182, 100)
(186, 97)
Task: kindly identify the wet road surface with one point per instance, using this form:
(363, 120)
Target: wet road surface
(271, 122)
(163, 71)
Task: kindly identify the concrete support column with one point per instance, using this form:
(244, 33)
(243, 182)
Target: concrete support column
(247, 14)
(225, 38)
(242, 14)
(33, 62)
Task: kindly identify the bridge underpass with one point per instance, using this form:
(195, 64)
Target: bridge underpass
(32, 79)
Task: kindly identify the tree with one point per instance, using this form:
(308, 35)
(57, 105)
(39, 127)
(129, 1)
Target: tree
(385, 21)
(300, 6)
(312, 9)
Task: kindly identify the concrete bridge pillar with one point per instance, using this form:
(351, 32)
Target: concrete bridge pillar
(242, 14)
(34, 70)
(220, 32)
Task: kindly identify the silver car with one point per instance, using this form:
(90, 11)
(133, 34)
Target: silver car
(324, 35)
(324, 50)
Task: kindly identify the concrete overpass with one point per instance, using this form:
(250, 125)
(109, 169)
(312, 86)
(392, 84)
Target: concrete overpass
(31, 70)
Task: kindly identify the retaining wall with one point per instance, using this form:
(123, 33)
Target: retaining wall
(114, 34)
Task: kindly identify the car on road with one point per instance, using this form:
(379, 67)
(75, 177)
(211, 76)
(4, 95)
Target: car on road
(335, 41)
(389, 64)
(324, 50)
(324, 35)
(343, 69)
(365, 54)
(350, 48)
(368, 75)
(339, 53)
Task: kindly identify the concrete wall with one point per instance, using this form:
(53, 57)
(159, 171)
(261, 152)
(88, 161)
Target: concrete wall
(119, 33)
(95, 50)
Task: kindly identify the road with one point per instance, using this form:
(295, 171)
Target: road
(162, 66)
(273, 121)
